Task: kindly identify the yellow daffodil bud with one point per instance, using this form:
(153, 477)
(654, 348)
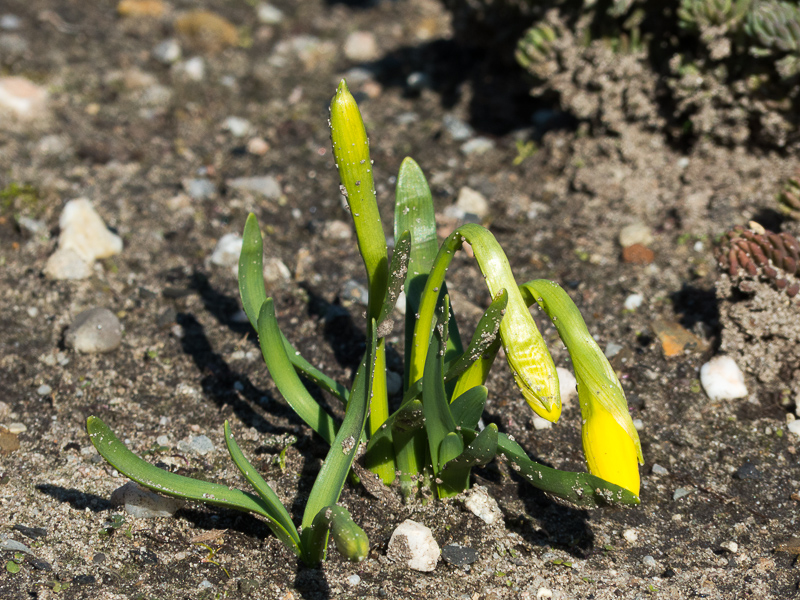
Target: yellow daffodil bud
(611, 453)
(610, 441)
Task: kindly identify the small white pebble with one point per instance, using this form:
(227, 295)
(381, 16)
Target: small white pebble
(354, 580)
(649, 561)
(16, 428)
(638, 424)
(722, 379)
(633, 301)
(43, 390)
(794, 427)
(544, 593)
(730, 546)
(630, 536)
(540, 423)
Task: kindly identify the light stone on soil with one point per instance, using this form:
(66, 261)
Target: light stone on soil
(477, 146)
(336, 230)
(167, 52)
(361, 46)
(794, 427)
(268, 14)
(540, 423)
(66, 265)
(635, 233)
(630, 536)
(265, 185)
(483, 506)
(412, 544)
(469, 202)
(567, 384)
(83, 230)
(199, 189)
(94, 330)
(722, 379)
(142, 503)
(22, 99)
(238, 126)
(226, 252)
(459, 130)
(659, 470)
(275, 270)
(633, 301)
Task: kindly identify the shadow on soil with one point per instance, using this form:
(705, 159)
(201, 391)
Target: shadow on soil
(500, 101)
(75, 498)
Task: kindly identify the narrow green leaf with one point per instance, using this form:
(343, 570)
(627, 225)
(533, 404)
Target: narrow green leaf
(485, 334)
(398, 271)
(581, 489)
(527, 355)
(286, 379)
(480, 451)
(436, 409)
(276, 509)
(331, 477)
(351, 151)
(142, 472)
(253, 294)
(468, 407)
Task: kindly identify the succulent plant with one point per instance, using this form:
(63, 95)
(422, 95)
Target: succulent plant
(698, 14)
(789, 198)
(775, 25)
(755, 252)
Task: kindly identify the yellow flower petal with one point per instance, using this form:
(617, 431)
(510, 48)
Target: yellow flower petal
(610, 452)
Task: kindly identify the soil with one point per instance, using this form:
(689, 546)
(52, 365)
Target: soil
(187, 362)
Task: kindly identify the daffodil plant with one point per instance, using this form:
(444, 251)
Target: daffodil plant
(433, 439)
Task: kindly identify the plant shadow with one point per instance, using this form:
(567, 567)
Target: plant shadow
(75, 498)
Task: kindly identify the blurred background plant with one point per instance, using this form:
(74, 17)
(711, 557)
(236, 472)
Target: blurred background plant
(726, 69)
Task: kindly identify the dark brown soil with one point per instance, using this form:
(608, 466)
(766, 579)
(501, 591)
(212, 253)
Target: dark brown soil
(186, 363)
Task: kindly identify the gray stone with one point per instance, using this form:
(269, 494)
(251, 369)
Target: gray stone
(142, 503)
(477, 146)
(201, 444)
(10, 22)
(265, 185)
(268, 14)
(168, 51)
(199, 189)
(336, 230)
(275, 270)
(238, 126)
(459, 130)
(355, 292)
(460, 556)
(43, 390)
(94, 330)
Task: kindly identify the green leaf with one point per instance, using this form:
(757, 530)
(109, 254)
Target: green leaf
(468, 407)
(331, 477)
(397, 277)
(178, 486)
(286, 379)
(251, 290)
(350, 539)
(351, 151)
(451, 447)
(526, 352)
(485, 334)
(413, 212)
(480, 451)
(436, 409)
(581, 489)
(276, 509)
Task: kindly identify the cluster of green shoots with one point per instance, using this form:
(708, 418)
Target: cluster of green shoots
(435, 437)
